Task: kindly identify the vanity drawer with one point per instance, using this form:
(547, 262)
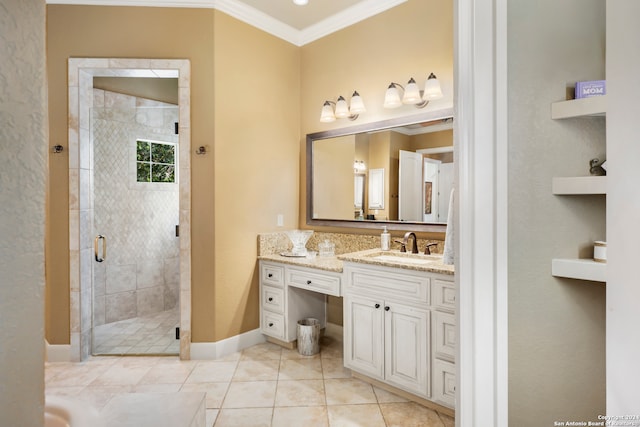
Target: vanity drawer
(273, 325)
(273, 299)
(444, 295)
(444, 336)
(318, 282)
(388, 284)
(444, 383)
(271, 274)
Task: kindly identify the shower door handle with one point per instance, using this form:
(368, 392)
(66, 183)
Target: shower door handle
(96, 242)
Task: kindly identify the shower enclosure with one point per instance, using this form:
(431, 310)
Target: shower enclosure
(136, 211)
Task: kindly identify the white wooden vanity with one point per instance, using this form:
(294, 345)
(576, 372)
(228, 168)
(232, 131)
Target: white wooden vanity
(290, 293)
(399, 317)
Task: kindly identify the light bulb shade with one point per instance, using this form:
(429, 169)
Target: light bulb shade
(432, 89)
(357, 105)
(392, 97)
(327, 115)
(342, 109)
(411, 93)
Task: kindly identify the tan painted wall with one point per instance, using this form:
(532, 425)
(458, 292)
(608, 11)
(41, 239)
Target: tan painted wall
(257, 135)
(409, 40)
(443, 138)
(246, 119)
(379, 147)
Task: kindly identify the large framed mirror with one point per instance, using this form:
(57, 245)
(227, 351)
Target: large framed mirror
(397, 173)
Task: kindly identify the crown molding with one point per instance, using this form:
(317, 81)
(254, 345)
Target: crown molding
(259, 19)
(356, 13)
(202, 4)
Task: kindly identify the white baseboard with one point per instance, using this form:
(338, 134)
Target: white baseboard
(220, 349)
(57, 352)
(334, 331)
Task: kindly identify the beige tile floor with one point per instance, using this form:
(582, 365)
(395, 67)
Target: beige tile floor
(150, 334)
(263, 385)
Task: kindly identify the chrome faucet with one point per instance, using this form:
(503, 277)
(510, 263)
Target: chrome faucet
(405, 241)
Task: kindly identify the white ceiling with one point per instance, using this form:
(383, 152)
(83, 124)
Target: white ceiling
(301, 17)
(282, 18)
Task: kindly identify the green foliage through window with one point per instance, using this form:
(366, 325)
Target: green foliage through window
(155, 162)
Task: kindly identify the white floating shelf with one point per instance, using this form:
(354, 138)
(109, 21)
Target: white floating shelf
(579, 185)
(583, 269)
(594, 106)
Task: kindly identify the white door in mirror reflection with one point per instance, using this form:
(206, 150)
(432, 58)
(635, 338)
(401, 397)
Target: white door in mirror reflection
(445, 184)
(410, 186)
(431, 189)
(424, 186)
(376, 188)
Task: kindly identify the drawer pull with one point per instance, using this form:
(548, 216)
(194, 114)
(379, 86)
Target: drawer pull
(387, 308)
(270, 299)
(270, 325)
(308, 282)
(270, 275)
(377, 305)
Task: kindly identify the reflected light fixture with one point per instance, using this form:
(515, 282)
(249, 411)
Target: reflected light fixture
(301, 2)
(412, 95)
(342, 109)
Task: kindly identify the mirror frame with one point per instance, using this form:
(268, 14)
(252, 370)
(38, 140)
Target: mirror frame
(370, 127)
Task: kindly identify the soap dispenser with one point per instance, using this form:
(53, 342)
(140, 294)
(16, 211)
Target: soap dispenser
(385, 239)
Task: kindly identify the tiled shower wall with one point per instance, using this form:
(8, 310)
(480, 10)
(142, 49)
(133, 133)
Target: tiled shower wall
(140, 274)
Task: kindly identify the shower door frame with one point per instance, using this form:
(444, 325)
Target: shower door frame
(81, 72)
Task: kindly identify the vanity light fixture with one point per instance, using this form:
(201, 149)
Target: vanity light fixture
(342, 109)
(412, 95)
(301, 2)
(359, 166)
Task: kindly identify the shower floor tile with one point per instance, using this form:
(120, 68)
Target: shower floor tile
(151, 334)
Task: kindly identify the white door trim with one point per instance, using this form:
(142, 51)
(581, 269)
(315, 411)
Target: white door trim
(80, 86)
(480, 133)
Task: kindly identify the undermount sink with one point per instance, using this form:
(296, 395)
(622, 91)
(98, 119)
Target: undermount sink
(397, 259)
(406, 258)
(403, 259)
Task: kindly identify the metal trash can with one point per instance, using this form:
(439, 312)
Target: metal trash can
(308, 336)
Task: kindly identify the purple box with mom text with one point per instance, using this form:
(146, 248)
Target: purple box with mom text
(590, 88)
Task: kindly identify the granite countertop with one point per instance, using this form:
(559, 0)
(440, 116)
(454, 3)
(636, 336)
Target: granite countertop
(416, 262)
(407, 261)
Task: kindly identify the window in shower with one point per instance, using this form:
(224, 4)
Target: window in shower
(155, 161)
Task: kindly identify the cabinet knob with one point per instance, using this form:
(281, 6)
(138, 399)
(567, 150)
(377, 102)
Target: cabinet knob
(308, 282)
(270, 299)
(377, 305)
(270, 275)
(270, 324)
(387, 308)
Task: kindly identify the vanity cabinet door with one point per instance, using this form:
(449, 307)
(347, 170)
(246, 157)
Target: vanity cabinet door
(444, 383)
(364, 340)
(407, 348)
(444, 336)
